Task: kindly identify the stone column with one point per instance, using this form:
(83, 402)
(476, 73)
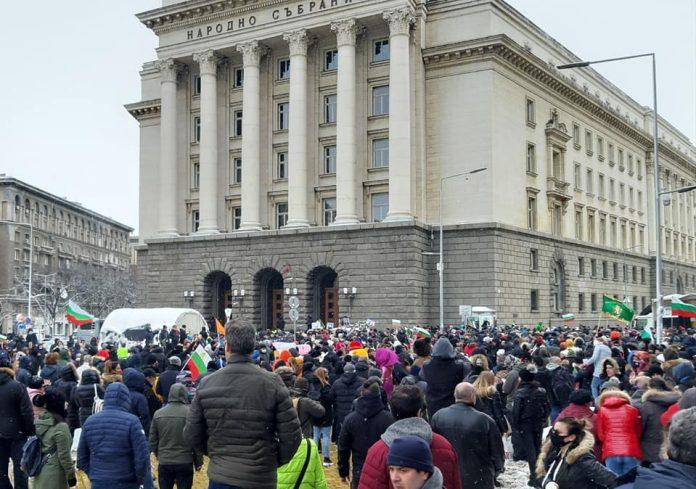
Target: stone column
(167, 187)
(251, 142)
(400, 21)
(298, 208)
(208, 198)
(346, 171)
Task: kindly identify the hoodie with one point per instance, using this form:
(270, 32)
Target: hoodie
(135, 381)
(655, 403)
(442, 374)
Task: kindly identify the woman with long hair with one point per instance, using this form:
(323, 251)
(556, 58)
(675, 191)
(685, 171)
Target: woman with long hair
(488, 400)
(112, 373)
(51, 428)
(322, 428)
(49, 371)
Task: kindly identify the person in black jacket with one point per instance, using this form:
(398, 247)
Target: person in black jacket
(153, 402)
(168, 378)
(530, 410)
(23, 374)
(16, 424)
(322, 427)
(360, 430)
(343, 392)
(82, 400)
(67, 382)
(442, 373)
(474, 436)
(135, 381)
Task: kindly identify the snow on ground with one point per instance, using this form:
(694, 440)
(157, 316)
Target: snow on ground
(515, 476)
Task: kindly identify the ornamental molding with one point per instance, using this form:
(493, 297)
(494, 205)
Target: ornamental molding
(298, 42)
(208, 61)
(399, 20)
(347, 31)
(504, 50)
(169, 69)
(147, 109)
(252, 52)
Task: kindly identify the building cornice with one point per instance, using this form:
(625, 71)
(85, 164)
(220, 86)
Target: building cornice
(502, 49)
(147, 109)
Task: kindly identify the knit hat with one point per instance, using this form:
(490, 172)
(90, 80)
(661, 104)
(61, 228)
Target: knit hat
(612, 383)
(35, 382)
(349, 368)
(174, 361)
(615, 335)
(53, 401)
(526, 375)
(581, 396)
(412, 452)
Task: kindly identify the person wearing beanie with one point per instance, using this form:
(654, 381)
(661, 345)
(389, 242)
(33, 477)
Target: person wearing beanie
(411, 466)
(308, 410)
(442, 373)
(580, 408)
(343, 392)
(53, 431)
(167, 379)
(34, 388)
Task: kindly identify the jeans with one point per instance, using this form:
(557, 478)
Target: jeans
(596, 384)
(181, 474)
(323, 432)
(113, 485)
(621, 465)
(12, 449)
(220, 485)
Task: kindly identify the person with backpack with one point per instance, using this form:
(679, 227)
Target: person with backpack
(56, 467)
(81, 405)
(561, 382)
(308, 410)
(321, 429)
(304, 470)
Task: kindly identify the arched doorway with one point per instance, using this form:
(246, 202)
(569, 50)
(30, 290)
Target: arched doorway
(557, 287)
(218, 294)
(270, 287)
(324, 286)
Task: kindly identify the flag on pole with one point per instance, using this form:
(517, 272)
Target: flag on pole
(568, 317)
(219, 328)
(539, 326)
(422, 332)
(683, 310)
(76, 315)
(198, 363)
(617, 309)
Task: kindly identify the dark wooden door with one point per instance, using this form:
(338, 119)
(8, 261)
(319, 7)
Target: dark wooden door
(277, 306)
(330, 312)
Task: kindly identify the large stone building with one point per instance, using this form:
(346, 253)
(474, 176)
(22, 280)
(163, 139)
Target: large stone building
(303, 145)
(66, 237)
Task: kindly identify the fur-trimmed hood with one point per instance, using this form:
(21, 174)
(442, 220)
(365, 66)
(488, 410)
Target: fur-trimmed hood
(661, 397)
(6, 374)
(613, 363)
(613, 393)
(584, 447)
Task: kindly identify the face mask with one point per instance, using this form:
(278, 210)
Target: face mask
(557, 440)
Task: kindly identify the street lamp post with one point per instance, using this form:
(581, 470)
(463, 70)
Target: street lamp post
(441, 263)
(657, 312)
(31, 256)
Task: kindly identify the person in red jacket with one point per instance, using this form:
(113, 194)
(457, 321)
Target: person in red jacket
(619, 429)
(406, 404)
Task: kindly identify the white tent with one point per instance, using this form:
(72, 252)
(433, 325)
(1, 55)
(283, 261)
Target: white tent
(119, 321)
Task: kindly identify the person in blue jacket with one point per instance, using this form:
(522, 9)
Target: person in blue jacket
(113, 448)
(135, 381)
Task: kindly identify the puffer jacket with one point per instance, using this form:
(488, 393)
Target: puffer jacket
(655, 403)
(361, 429)
(16, 414)
(50, 373)
(167, 439)
(243, 417)
(82, 400)
(343, 392)
(442, 373)
(135, 381)
(67, 382)
(309, 411)
(314, 475)
(531, 406)
(56, 443)
(666, 475)
(618, 426)
(113, 446)
(375, 472)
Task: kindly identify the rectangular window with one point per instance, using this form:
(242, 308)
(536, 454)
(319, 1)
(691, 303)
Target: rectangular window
(284, 69)
(642, 275)
(631, 200)
(622, 194)
(600, 147)
(380, 206)
(634, 274)
(534, 259)
(630, 164)
(282, 168)
(640, 201)
(610, 150)
(531, 158)
(581, 266)
(380, 51)
(581, 302)
(237, 123)
(639, 168)
(588, 142)
(329, 159)
(576, 135)
(531, 112)
(196, 129)
(380, 100)
(621, 159)
(196, 175)
(283, 116)
(331, 60)
(17, 254)
(380, 153)
(612, 232)
(281, 214)
(578, 223)
(238, 78)
(196, 85)
(602, 229)
(590, 226)
(605, 270)
(237, 170)
(589, 181)
(557, 220)
(531, 212)
(576, 176)
(330, 109)
(615, 270)
(534, 300)
(195, 220)
(593, 267)
(601, 191)
(329, 210)
(236, 218)
(612, 191)
(593, 302)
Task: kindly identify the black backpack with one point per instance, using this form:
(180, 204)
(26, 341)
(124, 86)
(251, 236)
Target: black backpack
(33, 459)
(562, 386)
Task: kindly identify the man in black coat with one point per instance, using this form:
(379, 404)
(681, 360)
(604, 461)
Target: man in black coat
(474, 436)
(343, 392)
(442, 373)
(168, 378)
(16, 424)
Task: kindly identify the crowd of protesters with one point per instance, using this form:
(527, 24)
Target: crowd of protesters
(584, 408)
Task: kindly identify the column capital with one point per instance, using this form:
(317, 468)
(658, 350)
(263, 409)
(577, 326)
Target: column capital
(252, 52)
(399, 19)
(208, 61)
(346, 31)
(299, 41)
(169, 68)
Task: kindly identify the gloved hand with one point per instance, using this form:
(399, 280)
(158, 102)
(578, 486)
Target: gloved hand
(72, 482)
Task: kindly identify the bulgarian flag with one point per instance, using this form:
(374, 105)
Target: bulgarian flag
(198, 362)
(421, 332)
(568, 317)
(683, 310)
(76, 315)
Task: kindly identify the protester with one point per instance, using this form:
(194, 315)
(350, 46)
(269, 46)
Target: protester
(619, 430)
(167, 379)
(51, 428)
(112, 373)
(344, 391)
(488, 399)
(656, 400)
(442, 373)
(601, 352)
(49, 372)
(35, 387)
(135, 381)
(309, 411)
(82, 401)
(410, 465)
(321, 429)
(304, 470)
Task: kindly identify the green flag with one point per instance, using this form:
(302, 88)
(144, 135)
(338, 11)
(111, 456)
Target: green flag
(539, 326)
(617, 309)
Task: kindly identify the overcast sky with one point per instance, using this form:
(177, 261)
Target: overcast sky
(70, 70)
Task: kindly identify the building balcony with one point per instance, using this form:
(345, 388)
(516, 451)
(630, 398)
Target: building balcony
(558, 190)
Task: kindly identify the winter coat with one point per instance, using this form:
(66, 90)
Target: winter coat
(493, 407)
(243, 417)
(360, 430)
(579, 469)
(135, 381)
(113, 446)
(530, 407)
(442, 373)
(83, 398)
(67, 382)
(637, 398)
(327, 403)
(477, 441)
(314, 475)
(618, 426)
(599, 354)
(655, 403)
(309, 412)
(37, 410)
(16, 414)
(666, 475)
(166, 381)
(23, 374)
(153, 402)
(343, 393)
(55, 443)
(50, 373)
(581, 411)
(167, 439)
(375, 473)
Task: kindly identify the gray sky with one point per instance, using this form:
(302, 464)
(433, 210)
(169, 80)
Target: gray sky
(74, 66)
